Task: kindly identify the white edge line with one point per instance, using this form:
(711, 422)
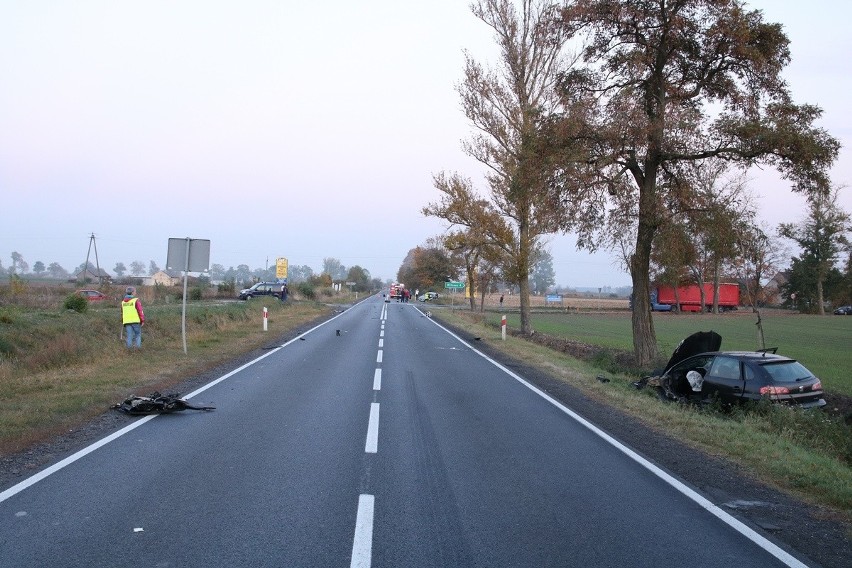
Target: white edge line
(362, 544)
(33, 479)
(690, 493)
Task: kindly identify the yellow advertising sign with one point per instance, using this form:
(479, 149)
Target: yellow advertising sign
(281, 268)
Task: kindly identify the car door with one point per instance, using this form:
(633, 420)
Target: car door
(724, 379)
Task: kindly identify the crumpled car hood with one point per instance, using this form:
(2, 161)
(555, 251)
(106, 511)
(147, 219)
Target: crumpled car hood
(698, 342)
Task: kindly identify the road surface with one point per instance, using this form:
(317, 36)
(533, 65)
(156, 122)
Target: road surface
(375, 439)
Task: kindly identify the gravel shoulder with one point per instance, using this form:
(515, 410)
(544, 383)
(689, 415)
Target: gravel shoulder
(814, 535)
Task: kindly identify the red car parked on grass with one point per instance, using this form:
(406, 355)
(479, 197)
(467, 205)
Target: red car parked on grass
(91, 295)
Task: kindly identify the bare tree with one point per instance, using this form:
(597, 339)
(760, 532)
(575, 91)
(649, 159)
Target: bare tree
(757, 262)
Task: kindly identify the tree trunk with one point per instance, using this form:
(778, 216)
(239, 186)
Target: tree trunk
(644, 339)
(471, 287)
(716, 287)
(526, 322)
(820, 301)
(701, 295)
(484, 285)
(524, 253)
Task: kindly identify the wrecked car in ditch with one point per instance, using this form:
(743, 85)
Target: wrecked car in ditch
(699, 373)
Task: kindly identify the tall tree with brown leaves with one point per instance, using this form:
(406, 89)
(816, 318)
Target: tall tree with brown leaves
(508, 106)
(668, 83)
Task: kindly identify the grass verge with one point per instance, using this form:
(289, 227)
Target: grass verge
(59, 369)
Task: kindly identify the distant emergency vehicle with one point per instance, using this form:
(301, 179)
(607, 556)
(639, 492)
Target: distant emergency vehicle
(396, 290)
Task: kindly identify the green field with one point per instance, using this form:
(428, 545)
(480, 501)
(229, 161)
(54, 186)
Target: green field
(821, 343)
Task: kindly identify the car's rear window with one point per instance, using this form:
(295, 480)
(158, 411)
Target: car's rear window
(787, 371)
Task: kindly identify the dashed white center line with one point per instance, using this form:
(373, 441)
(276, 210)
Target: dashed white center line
(372, 445)
(362, 546)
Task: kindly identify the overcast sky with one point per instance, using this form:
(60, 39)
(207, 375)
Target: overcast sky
(282, 128)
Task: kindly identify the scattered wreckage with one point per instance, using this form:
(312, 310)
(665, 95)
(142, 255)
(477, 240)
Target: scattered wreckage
(156, 403)
(699, 373)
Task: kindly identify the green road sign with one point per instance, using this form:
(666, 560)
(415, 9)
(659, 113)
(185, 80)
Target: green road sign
(453, 284)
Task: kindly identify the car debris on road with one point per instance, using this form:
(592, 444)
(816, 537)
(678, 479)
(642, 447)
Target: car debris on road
(156, 403)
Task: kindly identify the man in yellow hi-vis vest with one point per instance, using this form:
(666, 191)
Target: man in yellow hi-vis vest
(132, 317)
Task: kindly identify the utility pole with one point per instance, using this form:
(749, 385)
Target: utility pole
(93, 244)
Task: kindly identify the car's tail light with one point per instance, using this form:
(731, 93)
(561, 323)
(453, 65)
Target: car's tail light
(774, 390)
(817, 386)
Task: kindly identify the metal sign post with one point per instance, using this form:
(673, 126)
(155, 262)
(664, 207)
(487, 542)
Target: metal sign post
(192, 255)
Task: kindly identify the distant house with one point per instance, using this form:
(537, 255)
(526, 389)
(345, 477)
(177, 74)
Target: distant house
(772, 289)
(90, 275)
(163, 278)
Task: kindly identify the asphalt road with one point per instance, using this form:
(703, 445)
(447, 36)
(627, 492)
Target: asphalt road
(375, 439)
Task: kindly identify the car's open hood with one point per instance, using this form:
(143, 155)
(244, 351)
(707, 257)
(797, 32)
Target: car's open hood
(698, 342)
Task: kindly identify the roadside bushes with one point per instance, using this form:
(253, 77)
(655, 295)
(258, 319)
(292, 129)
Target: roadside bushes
(77, 303)
(307, 290)
(228, 288)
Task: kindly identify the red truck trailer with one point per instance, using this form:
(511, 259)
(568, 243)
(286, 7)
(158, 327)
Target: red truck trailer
(690, 296)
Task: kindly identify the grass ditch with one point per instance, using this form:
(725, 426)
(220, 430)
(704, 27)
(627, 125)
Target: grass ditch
(807, 454)
(60, 368)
